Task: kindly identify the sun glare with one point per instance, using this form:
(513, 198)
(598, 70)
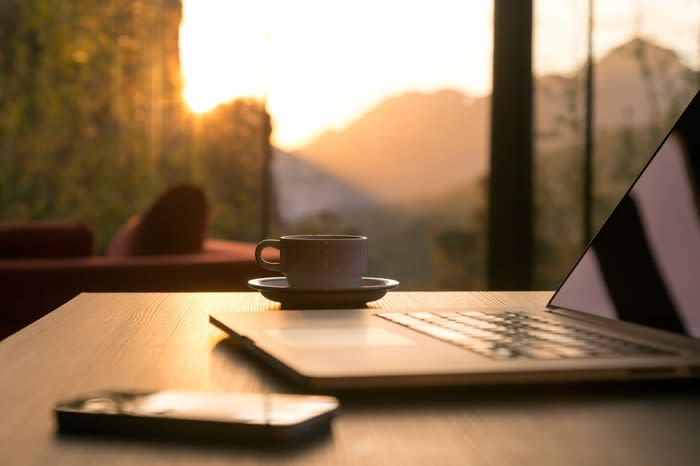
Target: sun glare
(322, 64)
(221, 52)
(201, 100)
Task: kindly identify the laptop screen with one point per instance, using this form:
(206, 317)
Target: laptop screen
(643, 265)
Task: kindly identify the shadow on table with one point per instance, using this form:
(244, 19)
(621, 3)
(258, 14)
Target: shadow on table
(189, 442)
(550, 394)
(249, 371)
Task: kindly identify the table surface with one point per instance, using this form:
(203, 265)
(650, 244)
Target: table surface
(164, 340)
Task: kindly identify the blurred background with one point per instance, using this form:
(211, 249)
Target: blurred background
(331, 117)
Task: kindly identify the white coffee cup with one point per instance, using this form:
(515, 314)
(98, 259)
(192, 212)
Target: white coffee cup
(318, 261)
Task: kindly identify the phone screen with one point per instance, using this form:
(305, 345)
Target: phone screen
(242, 408)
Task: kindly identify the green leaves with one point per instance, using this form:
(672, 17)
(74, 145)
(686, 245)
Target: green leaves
(92, 124)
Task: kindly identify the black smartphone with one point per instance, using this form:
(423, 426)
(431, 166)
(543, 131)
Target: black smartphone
(218, 417)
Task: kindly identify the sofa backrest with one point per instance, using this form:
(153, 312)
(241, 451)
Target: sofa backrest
(175, 223)
(46, 240)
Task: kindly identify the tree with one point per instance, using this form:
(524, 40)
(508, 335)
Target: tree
(92, 123)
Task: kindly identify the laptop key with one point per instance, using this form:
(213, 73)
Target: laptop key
(441, 333)
(424, 315)
(503, 352)
(471, 313)
(538, 353)
(571, 352)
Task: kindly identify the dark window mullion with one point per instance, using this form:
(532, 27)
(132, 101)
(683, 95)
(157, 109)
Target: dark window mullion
(510, 228)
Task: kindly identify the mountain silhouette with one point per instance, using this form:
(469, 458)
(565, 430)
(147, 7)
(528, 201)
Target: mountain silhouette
(635, 84)
(303, 189)
(417, 144)
(408, 146)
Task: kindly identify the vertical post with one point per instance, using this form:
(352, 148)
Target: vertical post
(588, 138)
(510, 227)
(266, 131)
(266, 172)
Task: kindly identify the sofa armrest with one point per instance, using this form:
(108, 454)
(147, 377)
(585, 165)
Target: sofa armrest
(222, 246)
(237, 248)
(31, 288)
(187, 272)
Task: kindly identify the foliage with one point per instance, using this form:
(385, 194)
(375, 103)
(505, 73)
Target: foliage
(232, 137)
(92, 125)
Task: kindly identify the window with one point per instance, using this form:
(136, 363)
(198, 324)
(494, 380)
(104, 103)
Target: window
(645, 57)
(380, 115)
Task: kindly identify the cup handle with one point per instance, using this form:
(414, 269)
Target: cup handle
(262, 245)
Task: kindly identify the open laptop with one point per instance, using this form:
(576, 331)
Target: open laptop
(629, 308)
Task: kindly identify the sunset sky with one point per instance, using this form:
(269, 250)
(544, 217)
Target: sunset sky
(322, 63)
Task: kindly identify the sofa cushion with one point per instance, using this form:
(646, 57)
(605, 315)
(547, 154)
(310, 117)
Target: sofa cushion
(31, 288)
(46, 240)
(175, 223)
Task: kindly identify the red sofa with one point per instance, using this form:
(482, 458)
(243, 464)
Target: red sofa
(42, 266)
(31, 288)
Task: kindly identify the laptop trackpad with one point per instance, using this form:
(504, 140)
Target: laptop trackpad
(338, 336)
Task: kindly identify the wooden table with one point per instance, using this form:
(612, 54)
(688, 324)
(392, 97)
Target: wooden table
(163, 340)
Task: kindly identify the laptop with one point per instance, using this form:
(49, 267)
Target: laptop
(628, 309)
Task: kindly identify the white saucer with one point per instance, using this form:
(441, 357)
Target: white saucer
(277, 289)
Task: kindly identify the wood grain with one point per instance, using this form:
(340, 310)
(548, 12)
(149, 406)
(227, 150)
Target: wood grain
(163, 340)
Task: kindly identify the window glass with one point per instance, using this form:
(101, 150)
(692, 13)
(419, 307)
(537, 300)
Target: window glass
(645, 71)
(380, 115)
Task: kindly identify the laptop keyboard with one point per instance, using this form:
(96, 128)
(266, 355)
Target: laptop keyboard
(511, 335)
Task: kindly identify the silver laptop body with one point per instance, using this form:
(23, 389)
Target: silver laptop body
(629, 308)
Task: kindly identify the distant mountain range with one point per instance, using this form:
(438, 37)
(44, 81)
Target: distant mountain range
(408, 146)
(303, 189)
(636, 84)
(418, 145)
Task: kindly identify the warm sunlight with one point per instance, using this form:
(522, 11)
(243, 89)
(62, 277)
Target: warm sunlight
(322, 64)
(222, 52)
(328, 62)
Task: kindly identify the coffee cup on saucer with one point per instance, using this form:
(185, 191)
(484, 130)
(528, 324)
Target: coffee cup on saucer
(318, 262)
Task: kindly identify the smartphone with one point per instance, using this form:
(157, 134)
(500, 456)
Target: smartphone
(218, 417)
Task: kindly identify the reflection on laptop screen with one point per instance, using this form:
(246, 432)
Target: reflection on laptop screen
(643, 265)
